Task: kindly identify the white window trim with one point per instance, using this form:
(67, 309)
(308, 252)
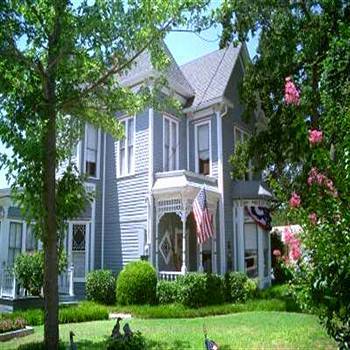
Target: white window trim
(244, 132)
(171, 119)
(97, 177)
(196, 125)
(132, 172)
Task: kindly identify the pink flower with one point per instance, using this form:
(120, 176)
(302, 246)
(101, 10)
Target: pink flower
(288, 235)
(295, 200)
(320, 178)
(291, 93)
(315, 137)
(313, 218)
(276, 252)
(295, 253)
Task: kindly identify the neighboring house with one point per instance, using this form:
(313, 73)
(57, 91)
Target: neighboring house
(145, 184)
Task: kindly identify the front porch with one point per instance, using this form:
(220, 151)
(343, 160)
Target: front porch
(175, 247)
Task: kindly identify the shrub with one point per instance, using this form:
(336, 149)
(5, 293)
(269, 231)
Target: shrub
(8, 325)
(167, 292)
(83, 312)
(29, 270)
(100, 287)
(251, 288)
(199, 289)
(193, 289)
(137, 284)
(236, 290)
(215, 289)
(136, 342)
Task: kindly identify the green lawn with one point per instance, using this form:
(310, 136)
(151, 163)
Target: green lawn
(258, 330)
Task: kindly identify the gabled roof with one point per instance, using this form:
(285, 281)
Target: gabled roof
(209, 74)
(143, 68)
(200, 81)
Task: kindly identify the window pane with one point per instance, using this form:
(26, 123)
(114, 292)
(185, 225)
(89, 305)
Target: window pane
(130, 159)
(173, 135)
(91, 137)
(203, 137)
(31, 241)
(122, 140)
(131, 131)
(251, 249)
(166, 132)
(166, 158)
(122, 162)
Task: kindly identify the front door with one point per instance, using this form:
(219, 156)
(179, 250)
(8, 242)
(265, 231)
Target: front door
(80, 237)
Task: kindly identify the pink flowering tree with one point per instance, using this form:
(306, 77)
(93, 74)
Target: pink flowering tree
(302, 139)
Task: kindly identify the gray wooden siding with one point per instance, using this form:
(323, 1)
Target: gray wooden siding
(126, 206)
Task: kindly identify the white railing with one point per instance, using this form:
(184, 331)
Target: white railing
(169, 275)
(65, 282)
(9, 287)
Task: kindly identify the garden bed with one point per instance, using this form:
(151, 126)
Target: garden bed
(16, 333)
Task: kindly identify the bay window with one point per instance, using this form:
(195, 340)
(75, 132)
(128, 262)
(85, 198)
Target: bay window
(15, 242)
(126, 148)
(202, 139)
(250, 246)
(170, 144)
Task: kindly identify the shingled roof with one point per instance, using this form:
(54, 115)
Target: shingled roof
(143, 67)
(200, 81)
(209, 74)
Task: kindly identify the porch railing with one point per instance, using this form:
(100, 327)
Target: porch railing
(8, 285)
(169, 275)
(10, 289)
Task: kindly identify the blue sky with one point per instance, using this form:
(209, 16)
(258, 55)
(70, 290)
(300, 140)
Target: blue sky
(184, 47)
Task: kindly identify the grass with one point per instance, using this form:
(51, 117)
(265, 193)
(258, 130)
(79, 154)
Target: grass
(180, 311)
(258, 330)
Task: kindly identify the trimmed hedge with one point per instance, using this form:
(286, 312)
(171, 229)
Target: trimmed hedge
(100, 287)
(167, 292)
(137, 284)
(83, 312)
(238, 287)
(200, 289)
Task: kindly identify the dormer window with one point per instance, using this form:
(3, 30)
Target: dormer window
(203, 148)
(170, 144)
(91, 153)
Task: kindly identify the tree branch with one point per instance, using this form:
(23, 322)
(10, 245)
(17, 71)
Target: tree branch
(114, 70)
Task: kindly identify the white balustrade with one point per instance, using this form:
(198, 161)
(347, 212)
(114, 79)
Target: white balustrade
(169, 275)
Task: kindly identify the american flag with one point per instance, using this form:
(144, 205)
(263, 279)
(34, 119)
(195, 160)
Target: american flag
(202, 216)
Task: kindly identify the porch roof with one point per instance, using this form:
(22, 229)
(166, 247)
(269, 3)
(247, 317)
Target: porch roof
(251, 190)
(180, 180)
(184, 185)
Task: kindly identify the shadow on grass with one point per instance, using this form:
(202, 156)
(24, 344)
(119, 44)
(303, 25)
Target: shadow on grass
(177, 344)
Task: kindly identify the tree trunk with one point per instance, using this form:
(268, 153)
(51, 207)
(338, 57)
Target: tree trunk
(51, 332)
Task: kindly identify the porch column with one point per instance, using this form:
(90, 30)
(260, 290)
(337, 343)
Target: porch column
(240, 238)
(214, 245)
(200, 268)
(183, 219)
(260, 256)
(157, 244)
